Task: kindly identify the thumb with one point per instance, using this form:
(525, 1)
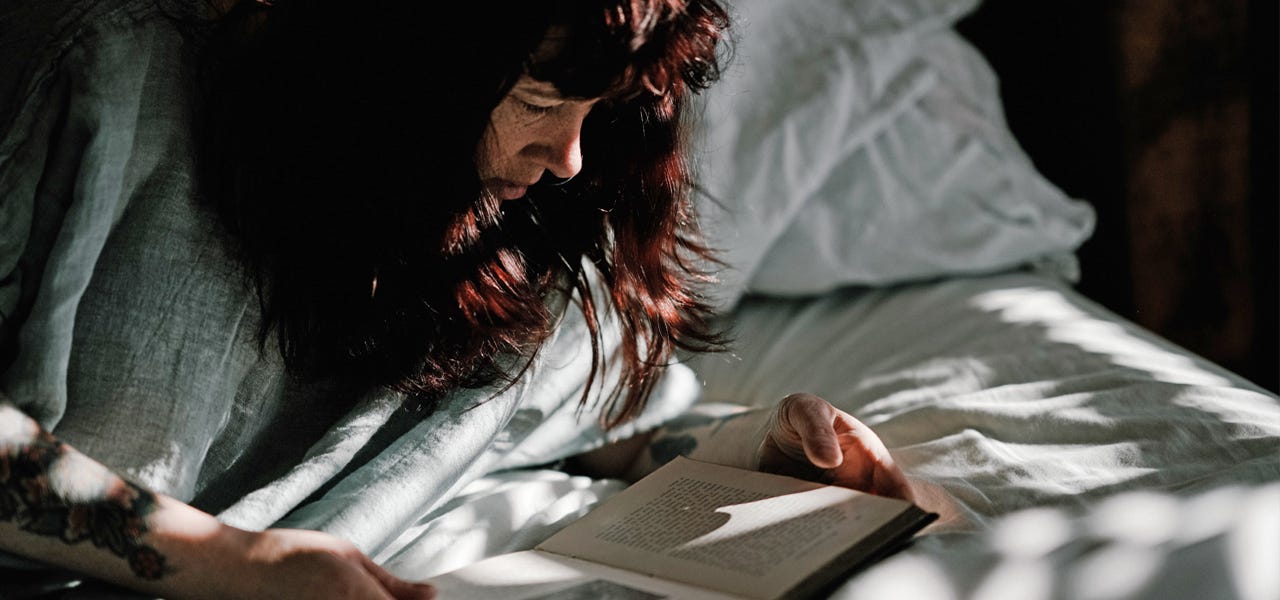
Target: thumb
(811, 419)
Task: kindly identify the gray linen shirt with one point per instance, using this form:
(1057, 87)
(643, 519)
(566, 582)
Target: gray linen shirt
(130, 332)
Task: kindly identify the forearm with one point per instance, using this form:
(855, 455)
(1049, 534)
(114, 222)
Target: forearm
(61, 507)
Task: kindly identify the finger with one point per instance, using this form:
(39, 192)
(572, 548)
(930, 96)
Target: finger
(398, 588)
(889, 480)
(881, 474)
(811, 419)
(895, 486)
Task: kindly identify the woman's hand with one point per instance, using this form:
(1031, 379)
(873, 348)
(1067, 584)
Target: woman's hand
(157, 544)
(295, 563)
(809, 438)
(803, 436)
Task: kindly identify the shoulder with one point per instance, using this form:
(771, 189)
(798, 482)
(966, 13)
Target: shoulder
(44, 41)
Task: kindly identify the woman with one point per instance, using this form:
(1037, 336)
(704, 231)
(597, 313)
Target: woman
(220, 239)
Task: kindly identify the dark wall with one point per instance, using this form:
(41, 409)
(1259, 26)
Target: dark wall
(1162, 114)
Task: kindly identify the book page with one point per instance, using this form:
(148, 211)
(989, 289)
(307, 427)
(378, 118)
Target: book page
(534, 575)
(746, 533)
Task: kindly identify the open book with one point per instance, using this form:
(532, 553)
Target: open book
(700, 531)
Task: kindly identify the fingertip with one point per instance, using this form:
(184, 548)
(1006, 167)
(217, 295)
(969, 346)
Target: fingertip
(810, 419)
(824, 453)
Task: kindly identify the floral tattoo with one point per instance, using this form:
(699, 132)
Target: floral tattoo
(104, 509)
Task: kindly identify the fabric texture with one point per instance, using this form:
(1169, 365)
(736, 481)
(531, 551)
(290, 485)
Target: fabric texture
(862, 142)
(1015, 406)
(1069, 452)
(131, 332)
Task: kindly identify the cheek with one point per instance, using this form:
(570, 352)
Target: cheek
(500, 142)
(487, 152)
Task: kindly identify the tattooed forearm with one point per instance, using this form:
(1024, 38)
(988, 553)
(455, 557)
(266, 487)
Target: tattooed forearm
(49, 489)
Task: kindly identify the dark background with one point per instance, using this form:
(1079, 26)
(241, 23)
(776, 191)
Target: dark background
(1163, 115)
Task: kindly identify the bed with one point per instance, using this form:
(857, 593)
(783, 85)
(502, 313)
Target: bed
(889, 247)
(1069, 453)
(892, 249)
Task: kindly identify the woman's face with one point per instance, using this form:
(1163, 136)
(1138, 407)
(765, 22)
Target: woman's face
(532, 131)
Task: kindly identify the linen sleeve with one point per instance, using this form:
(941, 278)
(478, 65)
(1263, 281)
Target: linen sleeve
(128, 329)
(36, 165)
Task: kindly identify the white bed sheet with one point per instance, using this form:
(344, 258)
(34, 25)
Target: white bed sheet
(1005, 392)
(1070, 453)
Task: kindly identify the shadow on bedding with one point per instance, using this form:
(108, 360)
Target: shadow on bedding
(1219, 544)
(1069, 452)
(1005, 392)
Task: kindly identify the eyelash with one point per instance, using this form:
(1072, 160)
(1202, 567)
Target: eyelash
(534, 108)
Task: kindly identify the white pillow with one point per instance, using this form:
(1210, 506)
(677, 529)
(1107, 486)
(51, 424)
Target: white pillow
(862, 142)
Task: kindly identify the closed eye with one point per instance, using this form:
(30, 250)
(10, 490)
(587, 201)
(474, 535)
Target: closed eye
(536, 109)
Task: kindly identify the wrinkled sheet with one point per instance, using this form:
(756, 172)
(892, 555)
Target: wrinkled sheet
(1070, 454)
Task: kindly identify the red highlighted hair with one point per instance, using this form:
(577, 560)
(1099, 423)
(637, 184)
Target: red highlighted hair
(339, 145)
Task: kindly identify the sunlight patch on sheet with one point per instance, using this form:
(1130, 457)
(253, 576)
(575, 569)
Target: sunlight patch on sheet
(1255, 540)
(1031, 533)
(1143, 518)
(496, 514)
(1215, 512)
(903, 577)
(1130, 546)
(525, 570)
(1116, 571)
(1069, 324)
(1017, 579)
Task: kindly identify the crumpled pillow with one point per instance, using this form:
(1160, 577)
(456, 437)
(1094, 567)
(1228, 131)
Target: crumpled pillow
(863, 142)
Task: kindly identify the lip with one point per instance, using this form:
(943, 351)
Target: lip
(507, 190)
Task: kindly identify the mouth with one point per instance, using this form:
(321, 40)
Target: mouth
(506, 190)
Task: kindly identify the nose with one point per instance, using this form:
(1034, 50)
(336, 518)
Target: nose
(565, 158)
(560, 150)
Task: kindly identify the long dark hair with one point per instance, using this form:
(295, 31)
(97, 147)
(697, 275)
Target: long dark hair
(339, 145)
